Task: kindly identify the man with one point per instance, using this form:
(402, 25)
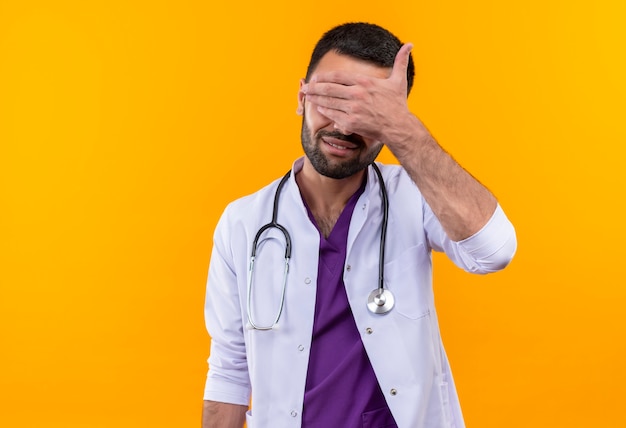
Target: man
(308, 350)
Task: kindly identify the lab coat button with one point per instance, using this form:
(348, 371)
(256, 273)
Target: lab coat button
(307, 280)
(348, 268)
(300, 348)
(393, 391)
(369, 330)
(294, 413)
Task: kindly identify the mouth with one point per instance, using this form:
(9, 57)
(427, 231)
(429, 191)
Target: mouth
(338, 144)
(341, 142)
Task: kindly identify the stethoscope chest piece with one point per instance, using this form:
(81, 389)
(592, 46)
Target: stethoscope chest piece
(380, 301)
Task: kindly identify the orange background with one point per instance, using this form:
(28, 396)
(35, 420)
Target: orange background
(126, 126)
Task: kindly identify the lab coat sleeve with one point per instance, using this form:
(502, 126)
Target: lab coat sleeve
(228, 378)
(488, 250)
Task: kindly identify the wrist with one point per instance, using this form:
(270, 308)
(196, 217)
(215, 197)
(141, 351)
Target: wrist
(410, 139)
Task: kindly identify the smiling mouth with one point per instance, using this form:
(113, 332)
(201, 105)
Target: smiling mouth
(341, 142)
(336, 145)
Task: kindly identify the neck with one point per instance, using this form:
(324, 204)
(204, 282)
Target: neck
(326, 197)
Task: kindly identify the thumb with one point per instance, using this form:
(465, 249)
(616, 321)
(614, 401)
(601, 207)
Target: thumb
(401, 62)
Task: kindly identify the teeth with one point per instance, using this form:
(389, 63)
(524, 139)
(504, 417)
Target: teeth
(337, 147)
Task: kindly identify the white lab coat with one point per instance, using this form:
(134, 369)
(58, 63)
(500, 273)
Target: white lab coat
(404, 346)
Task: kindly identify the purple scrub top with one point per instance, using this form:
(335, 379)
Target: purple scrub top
(341, 387)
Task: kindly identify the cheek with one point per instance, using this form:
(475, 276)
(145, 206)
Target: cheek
(314, 119)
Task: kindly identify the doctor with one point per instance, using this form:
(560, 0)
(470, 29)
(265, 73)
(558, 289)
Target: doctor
(301, 347)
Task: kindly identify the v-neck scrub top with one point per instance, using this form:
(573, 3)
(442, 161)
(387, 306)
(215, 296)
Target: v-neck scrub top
(403, 346)
(340, 384)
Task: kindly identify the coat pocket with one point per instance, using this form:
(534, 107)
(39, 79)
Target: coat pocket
(408, 277)
(379, 418)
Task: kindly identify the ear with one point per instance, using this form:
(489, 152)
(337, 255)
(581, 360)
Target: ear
(301, 96)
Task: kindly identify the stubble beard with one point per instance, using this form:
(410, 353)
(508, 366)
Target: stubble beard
(337, 170)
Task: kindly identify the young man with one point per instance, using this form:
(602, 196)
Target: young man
(347, 335)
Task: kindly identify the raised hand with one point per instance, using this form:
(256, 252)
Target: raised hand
(373, 105)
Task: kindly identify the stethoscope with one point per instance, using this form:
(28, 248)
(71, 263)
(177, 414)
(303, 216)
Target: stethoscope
(380, 300)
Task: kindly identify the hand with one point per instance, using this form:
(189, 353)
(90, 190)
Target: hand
(372, 107)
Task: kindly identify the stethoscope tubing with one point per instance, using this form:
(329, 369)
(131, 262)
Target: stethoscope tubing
(273, 224)
(383, 230)
(380, 300)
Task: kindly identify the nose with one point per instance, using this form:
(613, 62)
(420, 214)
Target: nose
(343, 131)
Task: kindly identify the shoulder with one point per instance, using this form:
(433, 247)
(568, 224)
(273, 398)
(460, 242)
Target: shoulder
(397, 179)
(248, 206)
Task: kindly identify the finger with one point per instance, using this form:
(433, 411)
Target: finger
(336, 116)
(332, 90)
(401, 62)
(339, 77)
(334, 103)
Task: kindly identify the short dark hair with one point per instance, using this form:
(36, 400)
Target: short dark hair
(361, 40)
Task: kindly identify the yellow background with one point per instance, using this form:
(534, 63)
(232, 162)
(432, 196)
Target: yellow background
(126, 126)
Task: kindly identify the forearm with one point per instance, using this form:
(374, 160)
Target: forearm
(461, 203)
(376, 109)
(223, 415)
